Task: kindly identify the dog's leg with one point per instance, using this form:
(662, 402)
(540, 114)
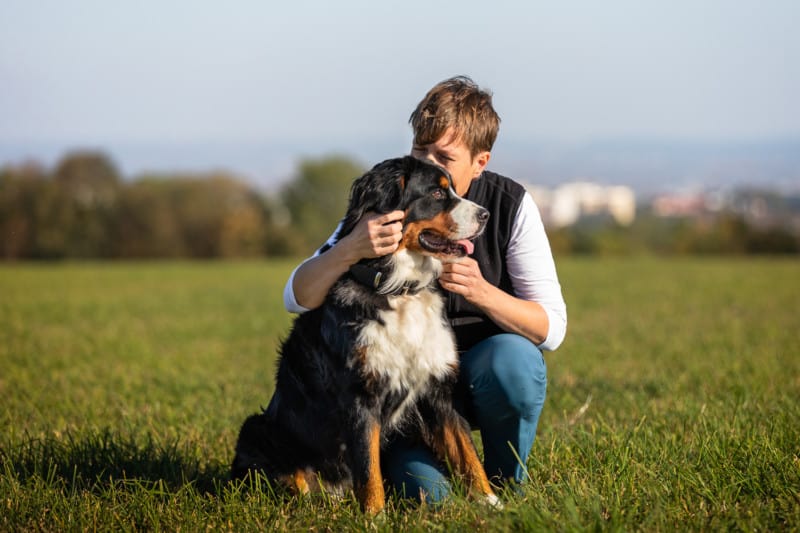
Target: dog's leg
(366, 467)
(453, 443)
(297, 482)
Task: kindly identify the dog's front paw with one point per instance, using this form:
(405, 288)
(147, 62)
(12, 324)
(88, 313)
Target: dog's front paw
(492, 500)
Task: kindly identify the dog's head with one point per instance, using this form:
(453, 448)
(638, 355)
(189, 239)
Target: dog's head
(437, 221)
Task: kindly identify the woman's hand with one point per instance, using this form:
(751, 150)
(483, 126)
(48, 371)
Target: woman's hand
(507, 311)
(375, 235)
(464, 277)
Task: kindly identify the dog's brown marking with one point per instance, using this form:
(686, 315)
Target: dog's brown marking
(370, 378)
(361, 356)
(371, 496)
(296, 482)
(444, 183)
(410, 238)
(300, 483)
(455, 446)
(442, 223)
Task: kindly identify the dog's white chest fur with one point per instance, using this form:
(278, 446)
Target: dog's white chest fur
(412, 345)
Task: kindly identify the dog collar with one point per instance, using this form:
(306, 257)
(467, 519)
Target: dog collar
(373, 278)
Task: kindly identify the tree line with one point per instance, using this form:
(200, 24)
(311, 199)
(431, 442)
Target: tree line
(83, 209)
(724, 233)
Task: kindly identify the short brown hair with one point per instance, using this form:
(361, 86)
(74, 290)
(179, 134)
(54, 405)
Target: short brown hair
(458, 103)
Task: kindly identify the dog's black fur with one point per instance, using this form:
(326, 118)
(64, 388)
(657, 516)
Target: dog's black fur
(351, 372)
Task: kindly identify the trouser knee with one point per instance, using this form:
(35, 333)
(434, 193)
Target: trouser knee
(506, 368)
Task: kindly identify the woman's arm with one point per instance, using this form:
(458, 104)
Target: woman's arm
(512, 314)
(375, 235)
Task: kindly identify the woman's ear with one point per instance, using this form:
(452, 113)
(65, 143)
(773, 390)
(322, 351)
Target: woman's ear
(479, 163)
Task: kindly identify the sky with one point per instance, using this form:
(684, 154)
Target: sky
(313, 76)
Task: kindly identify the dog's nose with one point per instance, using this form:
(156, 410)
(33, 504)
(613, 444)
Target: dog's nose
(483, 215)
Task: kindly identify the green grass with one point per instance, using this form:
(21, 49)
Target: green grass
(674, 403)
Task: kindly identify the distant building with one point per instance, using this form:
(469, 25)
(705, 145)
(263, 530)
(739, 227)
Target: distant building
(566, 204)
(681, 205)
(762, 209)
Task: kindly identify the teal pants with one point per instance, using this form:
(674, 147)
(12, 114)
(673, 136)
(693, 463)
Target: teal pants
(501, 389)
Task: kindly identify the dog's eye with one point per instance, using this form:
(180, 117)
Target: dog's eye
(439, 194)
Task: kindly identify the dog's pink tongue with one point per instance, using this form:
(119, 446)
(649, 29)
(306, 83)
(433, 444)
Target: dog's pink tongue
(468, 246)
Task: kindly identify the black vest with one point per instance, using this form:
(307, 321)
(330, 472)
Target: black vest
(502, 197)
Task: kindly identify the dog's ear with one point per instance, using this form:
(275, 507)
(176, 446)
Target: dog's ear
(379, 190)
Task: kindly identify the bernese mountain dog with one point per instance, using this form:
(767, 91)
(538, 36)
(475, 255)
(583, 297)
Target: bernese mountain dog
(378, 357)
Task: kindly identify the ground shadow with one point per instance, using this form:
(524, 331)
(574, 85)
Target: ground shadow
(97, 460)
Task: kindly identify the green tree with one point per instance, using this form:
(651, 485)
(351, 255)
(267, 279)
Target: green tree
(81, 217)
(147, 225)
(22, 189)
(316, 198)
(191, 216)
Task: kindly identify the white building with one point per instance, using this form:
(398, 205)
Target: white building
(567, 203)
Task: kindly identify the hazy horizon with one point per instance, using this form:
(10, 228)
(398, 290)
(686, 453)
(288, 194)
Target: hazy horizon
(647, 165)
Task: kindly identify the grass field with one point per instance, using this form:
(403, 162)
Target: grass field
(674, 403)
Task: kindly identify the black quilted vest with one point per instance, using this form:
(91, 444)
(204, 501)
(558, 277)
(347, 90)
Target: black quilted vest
(502, 197)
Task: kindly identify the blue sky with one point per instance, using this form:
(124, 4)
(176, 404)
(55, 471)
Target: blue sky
(323, 74)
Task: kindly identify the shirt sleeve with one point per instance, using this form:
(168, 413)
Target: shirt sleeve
(533, 271)
(289, 300)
